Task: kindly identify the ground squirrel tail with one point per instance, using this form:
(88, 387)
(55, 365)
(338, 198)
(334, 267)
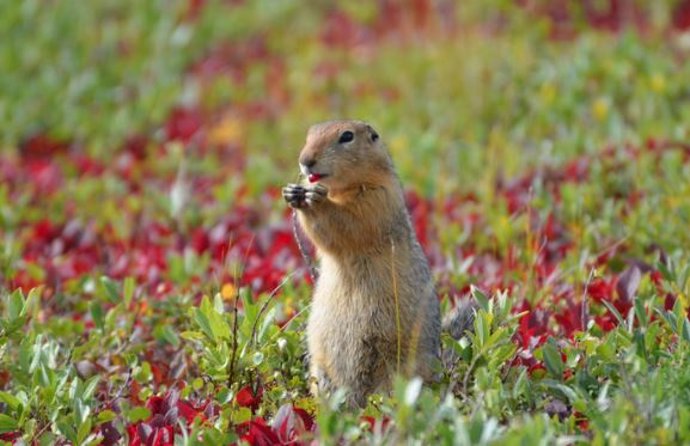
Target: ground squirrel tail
(461, 318)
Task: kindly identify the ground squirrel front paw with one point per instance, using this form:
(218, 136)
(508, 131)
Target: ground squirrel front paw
(316, 194)
(299, 197)
(295, 195)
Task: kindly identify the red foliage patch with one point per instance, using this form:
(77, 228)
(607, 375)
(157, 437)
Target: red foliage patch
(159, 429)
(248, 397)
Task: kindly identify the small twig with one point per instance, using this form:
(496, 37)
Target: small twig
(264, 306)
(630, 395)
(465, 381)
(584, 315)
(40, 432)
(466, 378)
(235, 345)
(289, 321)
(120, 391)
(231, 375)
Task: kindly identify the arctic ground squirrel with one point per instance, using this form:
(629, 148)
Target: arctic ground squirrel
(375, 312)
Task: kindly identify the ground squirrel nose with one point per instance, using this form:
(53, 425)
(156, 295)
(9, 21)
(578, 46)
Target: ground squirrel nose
(308, 162)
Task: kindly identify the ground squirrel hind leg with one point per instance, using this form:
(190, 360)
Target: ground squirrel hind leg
(321, 384)
(372, 373)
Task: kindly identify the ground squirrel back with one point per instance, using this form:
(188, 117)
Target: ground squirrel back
(374, 311)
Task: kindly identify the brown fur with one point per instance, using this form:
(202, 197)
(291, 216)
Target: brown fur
(374, 276)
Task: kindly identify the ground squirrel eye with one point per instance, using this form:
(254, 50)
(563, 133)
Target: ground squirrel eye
(374, 136)
(346, 136)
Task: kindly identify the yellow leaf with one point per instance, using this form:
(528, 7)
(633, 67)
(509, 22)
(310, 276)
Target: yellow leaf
(547, 92)
(228, 130)
(657, 83)
(228, 291)
(600, 109)
(398, 144)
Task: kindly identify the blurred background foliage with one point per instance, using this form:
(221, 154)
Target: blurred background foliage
(543, 146)
(460, 88)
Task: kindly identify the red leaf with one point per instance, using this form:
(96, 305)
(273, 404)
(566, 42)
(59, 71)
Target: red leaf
(163, 436)
(290, 423)
(257, 433)
(183, 124)
(307, 419)
(157, 405)
(111, 436)
(681, 16)
(600, 289)
(136, 145)
(45, 175)
(373, 422)
(41, 145)
(246, 397)
(190, 412)
(10, 436)
(628, 282)
(606, 322)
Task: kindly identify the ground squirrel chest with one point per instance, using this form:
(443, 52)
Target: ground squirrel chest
(374, 311)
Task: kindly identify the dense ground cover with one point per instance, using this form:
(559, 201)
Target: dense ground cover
(152, 291)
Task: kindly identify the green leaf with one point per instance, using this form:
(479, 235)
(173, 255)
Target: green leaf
(197, 383)
(165, 333)
(614, 311)
(215, 320)
(33, 301)
(15, 305)
(105, 415)
(686, 330)
(110, 288)
(137, 414)
(190, 335)
(204, 324)
(680, 317)
(225, 396)
(480, 330)
(81, 410)
(96, 310)
(11, 401)
(7, 424)
(143, 372)
(128, 288)
(567, 391)
(640, 313)
(480, 297)
(90, 387)
(257, 358)
(521, 384)
(668, 316)
(666, 272)
(553, 360)
(218, 304)
(66, 428)
(242, 414)
(84, 430)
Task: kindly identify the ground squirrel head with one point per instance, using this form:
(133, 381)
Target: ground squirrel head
(345, 154)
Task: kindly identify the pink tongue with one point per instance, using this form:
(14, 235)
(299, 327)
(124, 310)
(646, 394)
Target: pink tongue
(314, 177)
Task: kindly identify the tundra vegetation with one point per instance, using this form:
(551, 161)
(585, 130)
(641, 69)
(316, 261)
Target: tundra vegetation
(151, 289)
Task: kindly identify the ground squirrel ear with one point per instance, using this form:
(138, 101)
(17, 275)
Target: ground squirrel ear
(372, 133)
